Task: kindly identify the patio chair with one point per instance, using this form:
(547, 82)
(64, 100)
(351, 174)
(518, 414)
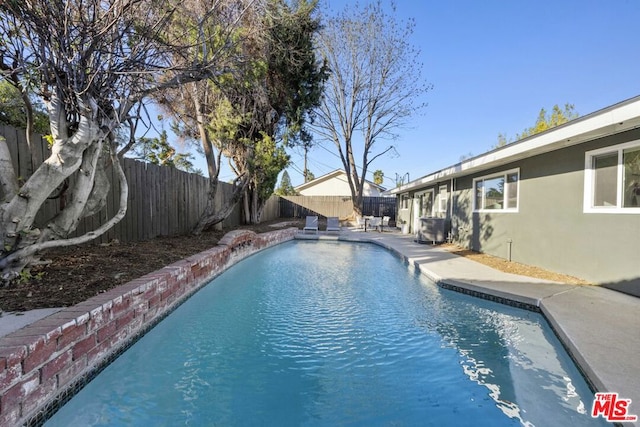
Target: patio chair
(359, 222)
(385, 222)
(376, 223)
(311, 224)
(333, 224)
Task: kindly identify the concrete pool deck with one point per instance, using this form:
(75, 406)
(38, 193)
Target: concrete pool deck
(598, 326)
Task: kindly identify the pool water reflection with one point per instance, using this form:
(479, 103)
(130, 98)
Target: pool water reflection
(328, 333)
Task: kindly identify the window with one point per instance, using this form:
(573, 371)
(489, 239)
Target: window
(404, 201)
(604, 179)
(631, 171)
(425, 208)
(443, 197)
(497, 192)
(612, 179)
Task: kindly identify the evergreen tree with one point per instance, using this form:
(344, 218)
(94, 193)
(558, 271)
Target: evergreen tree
(285, 188)
(158, 151)
(13, 111)
(308, 175)
(544, 122)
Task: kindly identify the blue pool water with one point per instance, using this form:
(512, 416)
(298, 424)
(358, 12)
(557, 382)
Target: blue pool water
(328, 334)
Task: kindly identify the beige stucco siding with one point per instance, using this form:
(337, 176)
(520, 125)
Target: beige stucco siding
(337, 186)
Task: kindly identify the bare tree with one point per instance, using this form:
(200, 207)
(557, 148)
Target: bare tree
(374, 87)
(92, 61)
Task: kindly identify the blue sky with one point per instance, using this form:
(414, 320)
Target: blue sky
(493, 66)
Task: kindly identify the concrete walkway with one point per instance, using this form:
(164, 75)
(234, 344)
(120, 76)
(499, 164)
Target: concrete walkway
(599, 327)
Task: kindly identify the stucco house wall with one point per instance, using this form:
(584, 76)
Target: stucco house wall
(550, 228)
(335, 184)
(553, 225)
(431, 201)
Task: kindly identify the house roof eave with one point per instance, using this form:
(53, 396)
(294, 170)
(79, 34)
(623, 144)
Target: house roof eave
(330, 175)
(618, 118)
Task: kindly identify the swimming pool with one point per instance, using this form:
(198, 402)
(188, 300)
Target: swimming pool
(319, 333)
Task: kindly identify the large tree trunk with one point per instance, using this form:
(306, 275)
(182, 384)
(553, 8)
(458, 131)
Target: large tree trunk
(259, 210)
(350, 168)
(67, 220)
(66, 157)
(89, 74)
(254, 206)
(33, 241)
(210, 216)
(8, 181)
(246, 209)
(77, 154)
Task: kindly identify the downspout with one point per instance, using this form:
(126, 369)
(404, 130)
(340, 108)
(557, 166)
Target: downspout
(451, 236)
(451, 199)
(411, 224)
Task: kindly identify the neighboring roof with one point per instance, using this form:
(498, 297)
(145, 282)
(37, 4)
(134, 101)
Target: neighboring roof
(335, 174)
(608, 121)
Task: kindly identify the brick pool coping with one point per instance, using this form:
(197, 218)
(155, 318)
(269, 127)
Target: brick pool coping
(45, 363)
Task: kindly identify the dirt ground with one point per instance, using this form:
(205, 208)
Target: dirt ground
(77, 273)
(513, 267)
(80, 272)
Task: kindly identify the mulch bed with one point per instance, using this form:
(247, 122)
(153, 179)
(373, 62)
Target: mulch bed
(77, 273)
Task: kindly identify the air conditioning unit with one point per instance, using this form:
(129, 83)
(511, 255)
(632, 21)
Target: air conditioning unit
(432, 230)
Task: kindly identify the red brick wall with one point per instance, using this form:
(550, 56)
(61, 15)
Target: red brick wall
(40, 361)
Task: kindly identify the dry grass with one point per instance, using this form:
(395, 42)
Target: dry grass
(513, 267)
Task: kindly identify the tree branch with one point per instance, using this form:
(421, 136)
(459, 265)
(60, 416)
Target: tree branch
(50, 244)
(380, 154)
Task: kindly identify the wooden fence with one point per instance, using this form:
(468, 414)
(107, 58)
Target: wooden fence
(163, 201)
(271, 209)
(326, 206)
(340, 206)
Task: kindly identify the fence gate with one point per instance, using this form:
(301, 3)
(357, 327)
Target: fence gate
(379, 206)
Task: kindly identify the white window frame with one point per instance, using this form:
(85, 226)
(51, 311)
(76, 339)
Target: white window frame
(442, 198)
(404, 201)
(503, 174)
(589, 180)
(430, 194)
